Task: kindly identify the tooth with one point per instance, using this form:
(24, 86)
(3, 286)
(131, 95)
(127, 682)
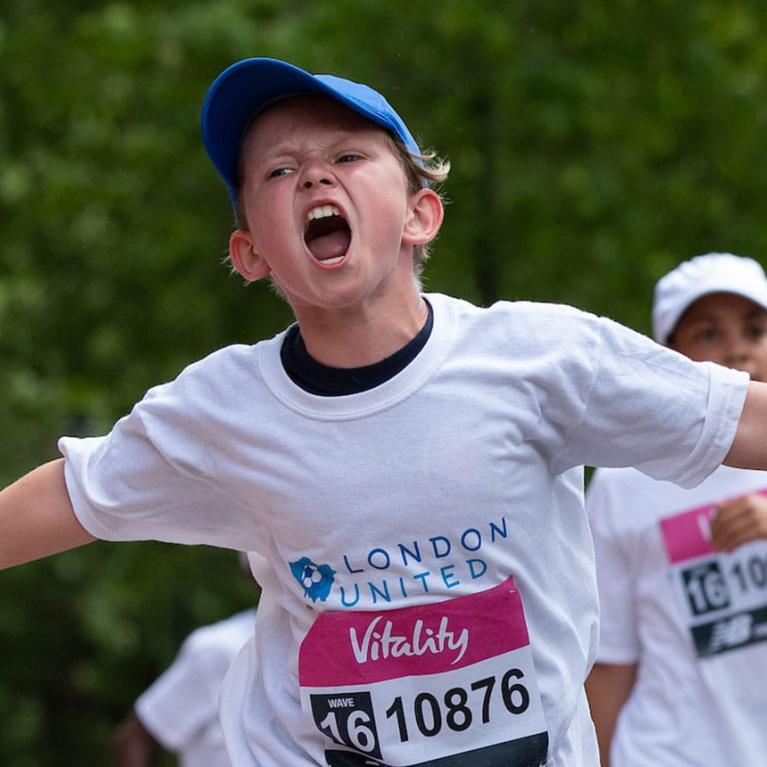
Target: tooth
(319, 212)
(322, 211)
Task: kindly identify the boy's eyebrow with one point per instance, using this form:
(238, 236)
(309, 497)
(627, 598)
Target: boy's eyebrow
(276, 151)
(274, 154)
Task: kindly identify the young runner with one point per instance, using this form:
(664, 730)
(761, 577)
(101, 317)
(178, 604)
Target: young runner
(406, 468)
(179, 711)
(682, 574)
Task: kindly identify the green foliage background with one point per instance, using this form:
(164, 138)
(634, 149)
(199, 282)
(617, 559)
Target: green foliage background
(594, 145)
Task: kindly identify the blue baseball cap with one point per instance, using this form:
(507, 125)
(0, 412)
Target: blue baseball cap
(247, 87)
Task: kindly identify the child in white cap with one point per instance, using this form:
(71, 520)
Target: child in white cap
(405, 467)
(682, 574)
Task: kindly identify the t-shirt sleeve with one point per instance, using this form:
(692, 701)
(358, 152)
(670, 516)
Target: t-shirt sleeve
(649, 407)
(618, 626)
(154, 476)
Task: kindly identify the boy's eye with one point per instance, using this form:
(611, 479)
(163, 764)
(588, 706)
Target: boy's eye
(348, 157)
(283, 170)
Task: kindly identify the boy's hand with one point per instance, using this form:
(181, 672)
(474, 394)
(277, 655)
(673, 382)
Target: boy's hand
(738, 521)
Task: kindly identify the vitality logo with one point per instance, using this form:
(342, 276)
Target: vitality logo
(316, 580)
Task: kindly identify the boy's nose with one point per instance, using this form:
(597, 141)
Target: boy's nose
(309, 182)
(316, 173)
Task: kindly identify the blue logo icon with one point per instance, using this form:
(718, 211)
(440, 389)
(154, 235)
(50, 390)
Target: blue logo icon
(316, 580)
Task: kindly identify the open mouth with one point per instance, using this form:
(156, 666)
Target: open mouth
(326, 234)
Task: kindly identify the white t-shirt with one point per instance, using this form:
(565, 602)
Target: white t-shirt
(423, 552)
(694, 620)
(180, 709)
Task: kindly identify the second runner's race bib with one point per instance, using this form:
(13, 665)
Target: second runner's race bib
(723, 597)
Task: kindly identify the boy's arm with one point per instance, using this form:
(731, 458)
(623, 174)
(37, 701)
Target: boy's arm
(37, 518)
(608, 688)
(749, 448)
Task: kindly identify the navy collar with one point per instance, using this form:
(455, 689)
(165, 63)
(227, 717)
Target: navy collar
(314, 377)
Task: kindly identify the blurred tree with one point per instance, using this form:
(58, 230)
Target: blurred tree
(594, 145)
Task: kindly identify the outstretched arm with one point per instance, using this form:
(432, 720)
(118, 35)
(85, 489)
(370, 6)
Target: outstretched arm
(37, 518)
(608, 688)
(749, 448)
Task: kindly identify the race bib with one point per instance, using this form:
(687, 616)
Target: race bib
(723, 597)
(442, 685)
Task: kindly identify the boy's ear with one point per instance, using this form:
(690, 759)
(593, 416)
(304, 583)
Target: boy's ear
(244, 258)
(425, 217)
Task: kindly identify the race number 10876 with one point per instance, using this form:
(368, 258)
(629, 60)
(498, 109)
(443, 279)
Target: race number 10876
(457, 708)
(349, 720)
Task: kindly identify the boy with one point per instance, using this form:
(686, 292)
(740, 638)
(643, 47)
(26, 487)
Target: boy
(406, 468)
(682, 574)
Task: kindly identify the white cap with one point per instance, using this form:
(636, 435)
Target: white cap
(700, 276)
